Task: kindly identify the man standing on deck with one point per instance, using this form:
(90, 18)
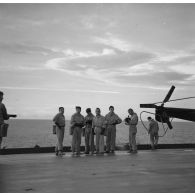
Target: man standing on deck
(153, 132)
(132, 122)
(77, 122)
(111, 120)
(98, 125)
(88, 133)
(3, 116)
(59, 121)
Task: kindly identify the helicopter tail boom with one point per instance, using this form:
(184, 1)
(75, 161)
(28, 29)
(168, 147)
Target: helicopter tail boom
(181, 113)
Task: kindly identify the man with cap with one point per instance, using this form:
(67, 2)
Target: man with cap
(3, 116)
(111, 120)
(98, 125)
(88, 133)
(153, 132)
(59, 121)
(77, 122)
(132, 122)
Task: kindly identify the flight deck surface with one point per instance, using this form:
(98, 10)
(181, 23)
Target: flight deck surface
(163, 170)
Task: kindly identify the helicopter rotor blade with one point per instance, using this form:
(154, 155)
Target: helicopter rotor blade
(148, 106)
(169, 94)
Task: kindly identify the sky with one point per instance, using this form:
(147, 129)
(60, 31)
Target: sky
(95, 55)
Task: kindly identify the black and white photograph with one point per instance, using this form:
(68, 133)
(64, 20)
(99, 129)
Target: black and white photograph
(97, 97)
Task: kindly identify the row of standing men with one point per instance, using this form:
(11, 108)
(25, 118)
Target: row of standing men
(96, 127)
(90, 125)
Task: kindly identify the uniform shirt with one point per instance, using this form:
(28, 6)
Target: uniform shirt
(133, 123)
(153, 126)
(3, 113)
(59, 119)
(98, 121)
(112, 119)
(88, 120)
(77, 119)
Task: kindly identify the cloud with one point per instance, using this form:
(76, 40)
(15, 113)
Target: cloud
(108, 59)
(101, 66)
(127, 69)
(114, 42)
(117, 62)
(96, 22)
(22, 48)
(154, 79)
(87, 54)
(20, 68)
(59, 90)
(114, 60)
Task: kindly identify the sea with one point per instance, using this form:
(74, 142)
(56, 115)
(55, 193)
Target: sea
(26, 133)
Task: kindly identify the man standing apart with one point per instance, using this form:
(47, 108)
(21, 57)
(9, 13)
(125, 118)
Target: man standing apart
(3, 116)
(153, 132)
(59, 121)
(99, 126)
(89, 136)
(111, 120)
(77, 122)
(132, 131)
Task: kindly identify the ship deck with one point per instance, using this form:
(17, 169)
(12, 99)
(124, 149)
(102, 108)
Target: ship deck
(163, 170)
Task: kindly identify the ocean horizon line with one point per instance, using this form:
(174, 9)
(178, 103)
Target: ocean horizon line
(46, 119)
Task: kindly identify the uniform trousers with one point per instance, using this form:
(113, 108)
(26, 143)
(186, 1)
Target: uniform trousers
(154, 139)
(132, 140)
(110, 137)
(60, 137)
(76, 139)
(99, 140)
(89, 140)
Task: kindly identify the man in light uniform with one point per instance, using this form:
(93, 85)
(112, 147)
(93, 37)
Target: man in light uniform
(153, 132)
(77, 122)
(132, 130)
(98, 125)
(88, 133)
(3, 115)
(59, 121)
(112, 120)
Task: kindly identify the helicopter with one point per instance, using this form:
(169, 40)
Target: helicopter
(163, 114)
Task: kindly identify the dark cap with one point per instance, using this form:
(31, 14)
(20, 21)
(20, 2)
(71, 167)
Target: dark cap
(130, 109)
(61, 108)
(1, 93)
(97, 109)
(111, 107)
(78, 107)
(88, 110)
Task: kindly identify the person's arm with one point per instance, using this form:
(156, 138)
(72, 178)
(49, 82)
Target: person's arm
(72, 121)
(83, 121)
(149, 127)
(118, 120)
(55, 119)
(103, 126)
(134, 120)
(93, 126)
(106, 120)
(127, 119)
(4, 111)
(157, 126)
